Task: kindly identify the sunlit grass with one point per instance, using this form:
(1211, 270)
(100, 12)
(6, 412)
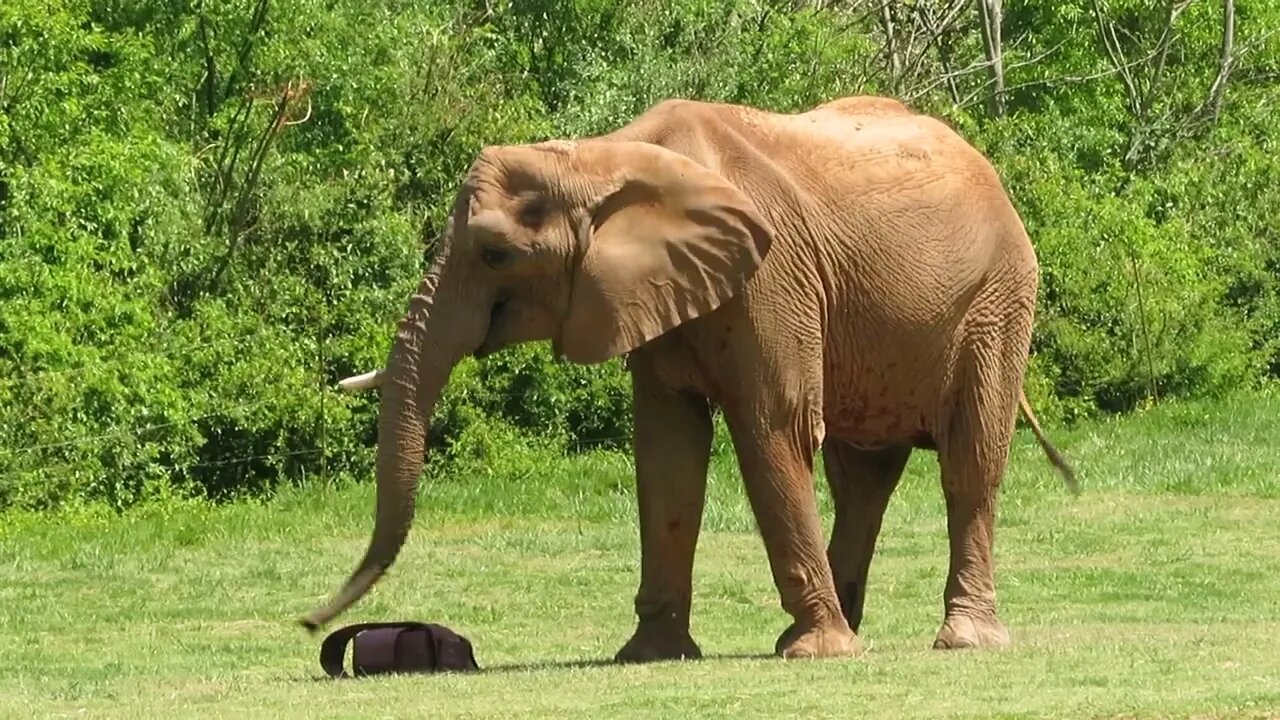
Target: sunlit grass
(1154, 594)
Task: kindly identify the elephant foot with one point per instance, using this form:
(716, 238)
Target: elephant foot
(821, 642)
(651, 644)
(966, 631)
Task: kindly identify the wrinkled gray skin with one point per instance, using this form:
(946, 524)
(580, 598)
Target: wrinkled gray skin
(851, 279)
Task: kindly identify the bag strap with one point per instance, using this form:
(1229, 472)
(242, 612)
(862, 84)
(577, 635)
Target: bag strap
(334, 648)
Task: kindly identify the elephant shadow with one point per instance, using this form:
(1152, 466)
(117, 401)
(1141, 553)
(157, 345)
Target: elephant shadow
(605, 662)
(556, 665)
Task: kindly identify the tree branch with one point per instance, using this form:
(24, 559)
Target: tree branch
(1211, 109)
(1112, 45)
(941, 31)
(935, 35)
(1063, 79)
(982, 65)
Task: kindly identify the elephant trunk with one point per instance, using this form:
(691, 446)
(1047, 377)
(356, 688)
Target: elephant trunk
(412, 383)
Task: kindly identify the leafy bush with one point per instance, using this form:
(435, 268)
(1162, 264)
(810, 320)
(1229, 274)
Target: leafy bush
(210, 212)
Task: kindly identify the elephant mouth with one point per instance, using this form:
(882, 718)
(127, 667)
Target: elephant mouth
(491, 344)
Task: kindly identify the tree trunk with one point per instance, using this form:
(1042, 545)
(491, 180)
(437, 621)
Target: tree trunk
(991, 12)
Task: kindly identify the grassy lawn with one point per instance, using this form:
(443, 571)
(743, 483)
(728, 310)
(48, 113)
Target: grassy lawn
(1154, 594)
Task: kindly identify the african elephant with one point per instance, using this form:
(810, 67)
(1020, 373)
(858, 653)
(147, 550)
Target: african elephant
(852, 277)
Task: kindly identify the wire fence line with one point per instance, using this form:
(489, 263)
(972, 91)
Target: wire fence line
(116, 461)
(94, 454)
(577, 446)
(27, 377)
(127, 431)
(26, 455)
(122, 431)
(172, 466)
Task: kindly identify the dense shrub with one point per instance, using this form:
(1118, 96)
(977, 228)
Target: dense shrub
(210, 212)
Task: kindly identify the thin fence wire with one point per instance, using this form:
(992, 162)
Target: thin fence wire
(121, 431)
(126, 431)
(161, 346)
(173, 467)
(25, 377)
(250, 458)
(575, 446)
(31, 453)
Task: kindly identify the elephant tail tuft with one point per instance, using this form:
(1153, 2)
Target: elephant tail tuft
(1055, 457)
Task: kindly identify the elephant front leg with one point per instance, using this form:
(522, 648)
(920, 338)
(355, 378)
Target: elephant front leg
(777, 465)
(672, 449)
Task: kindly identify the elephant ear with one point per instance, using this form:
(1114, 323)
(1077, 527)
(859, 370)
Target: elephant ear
(669, 241)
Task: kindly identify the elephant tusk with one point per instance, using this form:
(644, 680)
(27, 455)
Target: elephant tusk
(367, 381)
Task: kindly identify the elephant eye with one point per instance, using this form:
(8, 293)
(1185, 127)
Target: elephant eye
(533, 212)
(494, 257)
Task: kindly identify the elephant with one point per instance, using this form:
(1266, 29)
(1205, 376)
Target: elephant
(852, 277)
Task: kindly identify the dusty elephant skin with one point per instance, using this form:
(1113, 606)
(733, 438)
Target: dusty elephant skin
(852, 279)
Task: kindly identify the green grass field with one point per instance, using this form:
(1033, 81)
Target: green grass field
(1156, 593)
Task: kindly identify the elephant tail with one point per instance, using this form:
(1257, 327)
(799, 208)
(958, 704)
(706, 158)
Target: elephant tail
(1055, 457)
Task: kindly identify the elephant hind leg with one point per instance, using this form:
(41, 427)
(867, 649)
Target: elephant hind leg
(970, 481)
(973, 454)
(862, 482)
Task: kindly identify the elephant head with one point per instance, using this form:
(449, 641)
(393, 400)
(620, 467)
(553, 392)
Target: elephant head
(597, 246)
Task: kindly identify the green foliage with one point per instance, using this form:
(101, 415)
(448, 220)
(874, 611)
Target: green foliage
(212, 211)
(1134, 291)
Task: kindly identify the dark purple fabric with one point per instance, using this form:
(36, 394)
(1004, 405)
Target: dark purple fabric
(397, 647)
